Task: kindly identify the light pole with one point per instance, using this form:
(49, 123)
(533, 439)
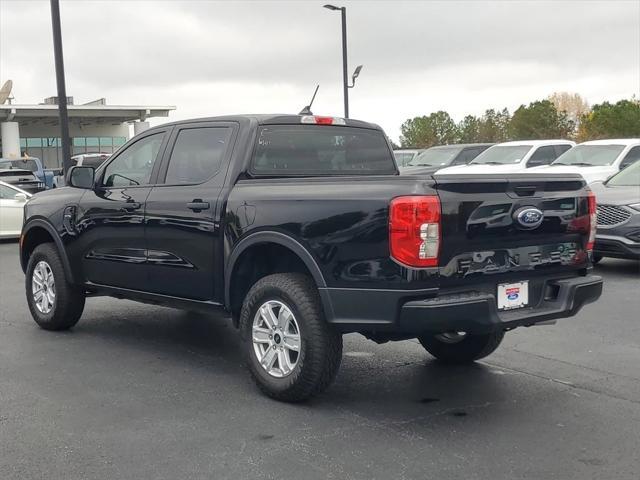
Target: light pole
(345, 80)
(62, 90)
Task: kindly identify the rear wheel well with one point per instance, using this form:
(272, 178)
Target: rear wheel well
(257, 262)
(34, 237)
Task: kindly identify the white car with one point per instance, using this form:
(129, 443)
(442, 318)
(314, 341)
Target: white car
(12, 201)
(596, 160)
(510, 157)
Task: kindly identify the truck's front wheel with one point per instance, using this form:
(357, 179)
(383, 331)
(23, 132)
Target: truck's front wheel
(460, 347)
(292, 352)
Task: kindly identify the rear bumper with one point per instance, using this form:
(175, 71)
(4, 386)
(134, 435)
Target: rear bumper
(468, 311)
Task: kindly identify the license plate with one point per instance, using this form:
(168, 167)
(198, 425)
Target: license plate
(513, 295)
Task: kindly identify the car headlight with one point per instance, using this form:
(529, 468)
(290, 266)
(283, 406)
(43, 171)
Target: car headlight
(635, 206)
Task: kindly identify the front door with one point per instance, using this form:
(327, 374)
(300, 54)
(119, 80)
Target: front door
(110, 219)
(183, 227)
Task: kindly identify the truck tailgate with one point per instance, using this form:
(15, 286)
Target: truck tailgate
(482, 235)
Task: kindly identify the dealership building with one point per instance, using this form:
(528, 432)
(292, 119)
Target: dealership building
(34, 130)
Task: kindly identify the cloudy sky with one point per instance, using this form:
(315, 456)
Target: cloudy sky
(211, 58)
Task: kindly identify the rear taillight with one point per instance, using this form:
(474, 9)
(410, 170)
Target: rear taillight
(414, 230)
(593, 220)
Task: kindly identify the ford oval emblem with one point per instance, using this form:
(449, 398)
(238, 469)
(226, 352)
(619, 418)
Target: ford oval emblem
(529, 217)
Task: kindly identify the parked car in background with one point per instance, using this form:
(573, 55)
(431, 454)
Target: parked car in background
(404, 157)
(513, 157)
(89, 159)
(435, 158)
(12, 200)
(597, 160)
(618, 217)
(22, 179)
(32, 164)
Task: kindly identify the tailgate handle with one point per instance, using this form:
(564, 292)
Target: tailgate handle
(525, 190)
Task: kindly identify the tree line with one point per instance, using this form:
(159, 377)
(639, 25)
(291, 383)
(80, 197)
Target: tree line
(562, 115)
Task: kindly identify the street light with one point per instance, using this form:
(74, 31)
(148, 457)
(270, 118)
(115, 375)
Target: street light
(345, 80)
(62, 90)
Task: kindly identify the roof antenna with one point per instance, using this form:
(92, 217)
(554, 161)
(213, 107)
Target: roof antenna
(307, 110)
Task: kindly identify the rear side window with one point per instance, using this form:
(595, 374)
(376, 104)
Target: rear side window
(321, 150)
(197, 154)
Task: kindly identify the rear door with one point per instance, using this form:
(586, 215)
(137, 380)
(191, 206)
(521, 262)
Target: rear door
(482, 236)
(183, 212)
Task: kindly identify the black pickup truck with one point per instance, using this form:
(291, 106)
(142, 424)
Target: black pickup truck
(301, 229)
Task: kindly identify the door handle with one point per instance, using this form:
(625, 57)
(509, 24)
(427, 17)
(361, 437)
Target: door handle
(198, 205)
(128, 206)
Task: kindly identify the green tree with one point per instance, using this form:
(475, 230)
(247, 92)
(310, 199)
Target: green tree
(494, 126)
(469, 129)
(427, 131)
(606, 120)
(539, 120)
(573, 104)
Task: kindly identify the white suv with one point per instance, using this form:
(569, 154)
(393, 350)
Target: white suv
(596, 160)
(511, 157)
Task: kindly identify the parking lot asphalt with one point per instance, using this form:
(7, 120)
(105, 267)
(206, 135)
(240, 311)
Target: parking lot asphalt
(142, 392)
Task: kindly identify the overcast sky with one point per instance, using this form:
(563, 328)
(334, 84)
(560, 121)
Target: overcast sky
(211, 58)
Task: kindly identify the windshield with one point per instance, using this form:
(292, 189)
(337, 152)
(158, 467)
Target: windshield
(590, 155)
(629, 177)
(322, 150)
(23, 163)
(435, 157)
(502, 155)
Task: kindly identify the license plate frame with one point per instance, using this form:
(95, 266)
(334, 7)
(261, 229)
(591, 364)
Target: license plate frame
(513, 295)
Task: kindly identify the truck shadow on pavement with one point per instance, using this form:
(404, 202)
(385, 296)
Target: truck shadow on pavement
(396, 380)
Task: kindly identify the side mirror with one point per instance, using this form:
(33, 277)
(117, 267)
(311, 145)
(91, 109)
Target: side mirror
(21, 197)
(82, 177)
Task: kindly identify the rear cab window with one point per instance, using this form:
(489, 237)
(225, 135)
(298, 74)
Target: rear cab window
(313, 150)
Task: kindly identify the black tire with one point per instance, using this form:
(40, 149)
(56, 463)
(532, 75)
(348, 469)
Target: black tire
(596, 258)
(320, 352)
(68, 303)
(469, 349)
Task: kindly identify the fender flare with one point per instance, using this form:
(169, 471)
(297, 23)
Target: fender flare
(270, 237)
(56, 239)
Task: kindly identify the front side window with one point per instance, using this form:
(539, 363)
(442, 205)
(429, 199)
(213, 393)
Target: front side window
(7, 193)
(631, 157)
(134, 165)
(310, 150)
(542, 156)
(197, 154)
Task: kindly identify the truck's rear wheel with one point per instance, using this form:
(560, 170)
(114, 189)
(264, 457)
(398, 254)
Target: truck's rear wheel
(291, 351)
(460, 347)
(55, 304)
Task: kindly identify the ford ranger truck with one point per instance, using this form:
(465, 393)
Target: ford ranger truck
(300, 229)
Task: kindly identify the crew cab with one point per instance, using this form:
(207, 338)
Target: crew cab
(22, 179)
(596, 160)
(513, 157)
(300, 228)
(32, 164)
